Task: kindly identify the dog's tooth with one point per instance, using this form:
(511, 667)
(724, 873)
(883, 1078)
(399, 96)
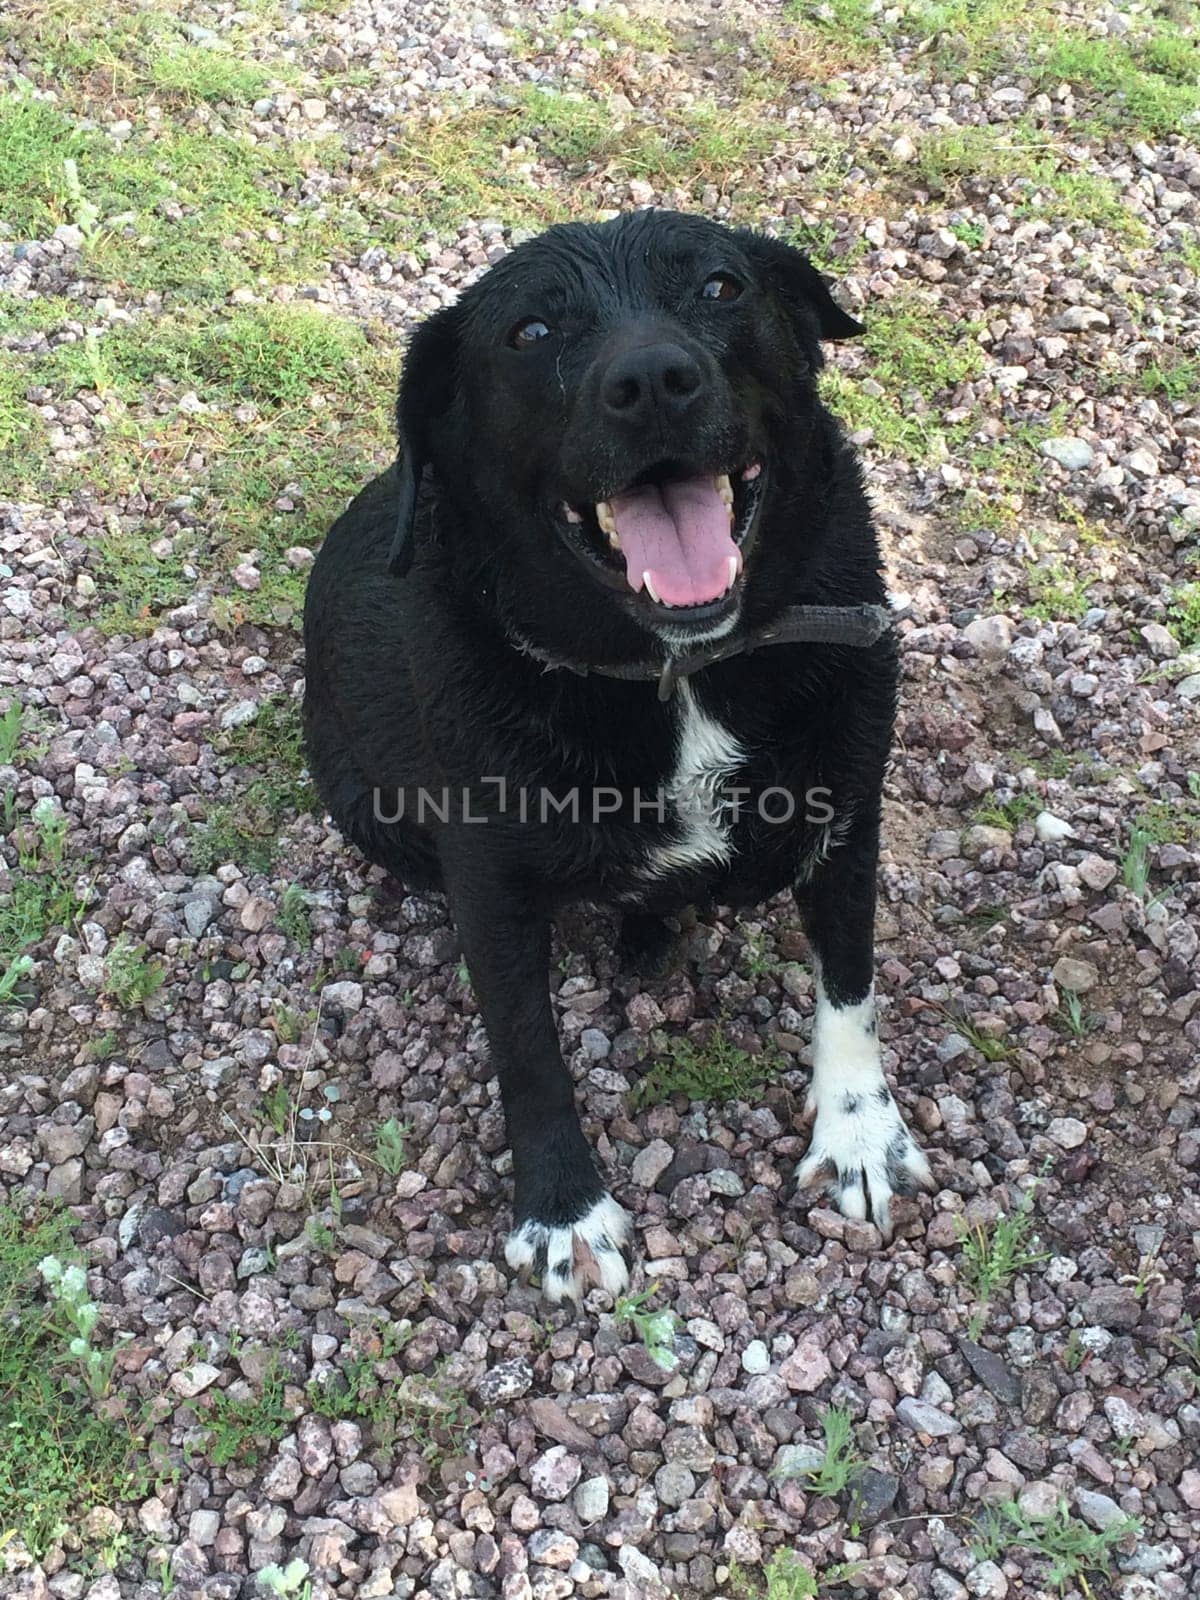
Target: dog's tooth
(614, 541)
(752, 472)
(570, 513)
(735, 566)
(604, 516)
(648, 582)
(725, 490)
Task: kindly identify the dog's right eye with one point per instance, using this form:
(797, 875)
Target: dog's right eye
(528, 333)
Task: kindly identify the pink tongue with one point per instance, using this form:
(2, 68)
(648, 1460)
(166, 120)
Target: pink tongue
(679, 534)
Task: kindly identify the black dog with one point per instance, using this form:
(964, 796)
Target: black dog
(528, 667)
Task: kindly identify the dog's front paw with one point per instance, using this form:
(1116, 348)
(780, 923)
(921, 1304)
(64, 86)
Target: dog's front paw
(571, 1259)
(863, 1154)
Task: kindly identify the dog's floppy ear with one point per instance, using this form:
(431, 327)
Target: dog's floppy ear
(427, 387)
(800, 286)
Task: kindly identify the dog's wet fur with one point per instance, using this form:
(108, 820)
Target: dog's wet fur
(625, 365)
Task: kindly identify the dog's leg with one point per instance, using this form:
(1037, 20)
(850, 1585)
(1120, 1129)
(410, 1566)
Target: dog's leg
(566, 1226)
(861, 1150)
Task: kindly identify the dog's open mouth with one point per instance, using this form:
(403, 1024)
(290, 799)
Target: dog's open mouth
(678, 537)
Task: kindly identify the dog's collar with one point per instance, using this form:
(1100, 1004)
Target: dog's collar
(857, 626)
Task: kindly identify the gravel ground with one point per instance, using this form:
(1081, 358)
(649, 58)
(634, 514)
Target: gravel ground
(1025, 245)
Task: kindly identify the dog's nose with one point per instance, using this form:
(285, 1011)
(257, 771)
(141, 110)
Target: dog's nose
(653, 377)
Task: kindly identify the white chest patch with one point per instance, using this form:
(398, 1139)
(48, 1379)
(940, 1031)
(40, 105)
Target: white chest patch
(706, 758)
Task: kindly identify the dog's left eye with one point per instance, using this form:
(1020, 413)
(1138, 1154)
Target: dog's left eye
(528, 333)
(721, 287)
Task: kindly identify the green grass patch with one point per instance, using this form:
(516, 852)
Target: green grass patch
(785, 1577)
(35, 139)
(853, 19)
(1055, 186)
(716, 1072)
(657, 1330)
(918, 357)
(1170, 821)
(841, 1465)
(358, 1391)
(1057, 592)
(1174, 376)
(135, 584)
(242, 1425)
(321, 389)
(267, 756)
(1069, 1549)
(293, 919)
(273, 355)
(1150, 85)
(131, 977)
(42, 894)
(179, 210)
(993, 1256)
(59, 1454)
(1009, 814)
(391, 1146)
(109, 54)
(618, 29)
(472, 163)
(1185, 614)
(199, 72)
(21, 427)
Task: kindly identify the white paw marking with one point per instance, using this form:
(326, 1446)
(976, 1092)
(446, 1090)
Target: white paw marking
(571, 1260)
(861, 1150)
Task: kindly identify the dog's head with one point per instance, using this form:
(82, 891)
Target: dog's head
(617, 399)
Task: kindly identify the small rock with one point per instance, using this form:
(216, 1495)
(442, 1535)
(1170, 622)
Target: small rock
(1073, 454)
(1075, 975)
(195, 1379)
(807, 1368)
(551, 1548)
(314, 1444)
(1161, 642)
(554, 1474)
(591, 1501)
(874, 1496)
(649, 1164)
(1051, 829)
(1111, 1305)
(1081, 319)
(1039, 1500)
(1096, 872)
(990, 636)
(256, 913)
(980, 838)
(986, 1580)
(346, 997)
(238, 714)
(1067, 1131)
(991, 1371)
(203, 1527)
(674, 1483)
(1099, 1511)
(756, 1358)
(505, 1382)
(922, 1417)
